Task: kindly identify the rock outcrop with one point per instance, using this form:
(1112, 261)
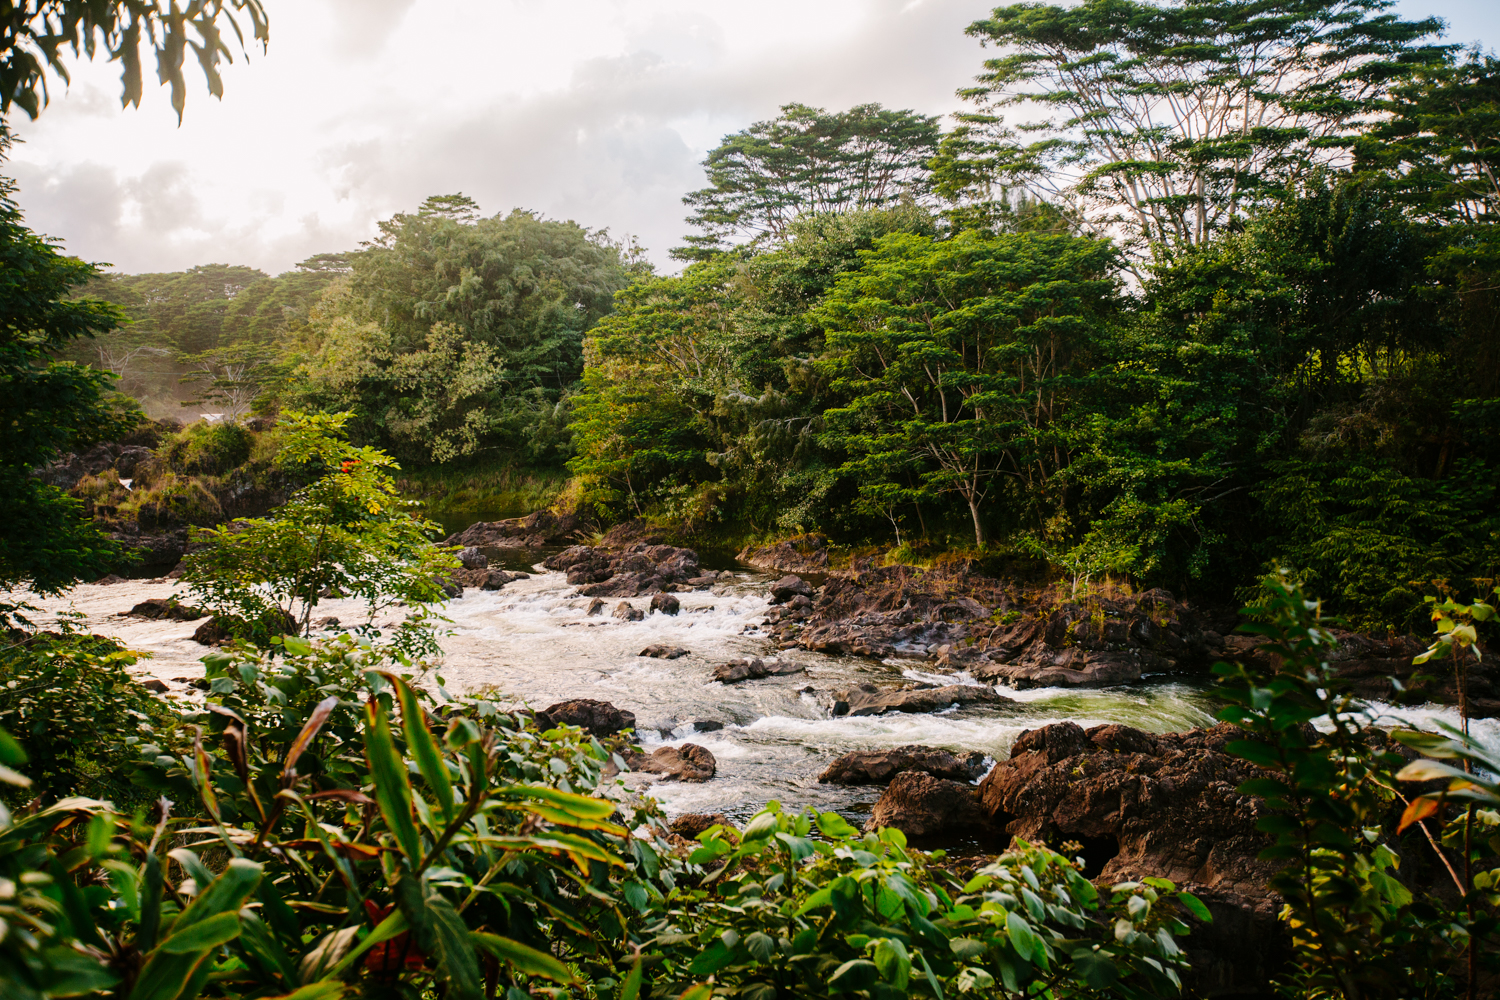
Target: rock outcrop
(164, 608)
(880, 767)
(689, 825)
(925, 807)
(663, 652)
(485, 578)
(801, 554)
(626, 613)
(597, 718)
(788, 587)
(666, 604)
(867, 699)
(632, 572)
(533, 531)
(754, 668)
(689, 762)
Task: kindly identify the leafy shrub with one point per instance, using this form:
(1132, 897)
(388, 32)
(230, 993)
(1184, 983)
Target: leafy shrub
(207, 448)
(173, 501)
(69, 701)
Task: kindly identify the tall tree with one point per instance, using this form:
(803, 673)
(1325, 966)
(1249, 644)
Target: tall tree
(1165, 122)
(807, 161)
(959, 359)
(47, 407)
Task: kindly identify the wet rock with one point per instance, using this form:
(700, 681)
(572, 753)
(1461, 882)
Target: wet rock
(754, 668)
(109, 580)
(164, 608)
(472, 558)
(632, 572)
(451, 589)
(800, 554)
(222, 629)
(703, 582)
(326, 624)
(879, 767)
(626, 613)
(662, 652)
(689, 825)
(1044, 666)
(726, 576)
(1163, 805)
(867, 699)
(155, 686)
(484, 578)
(788, 587)
(925, 807)
(544, 527)
(596, 607)
(153, 548)
(689, 762)
(666, 604)
(130, 459)
(706, 725)
(597, 718)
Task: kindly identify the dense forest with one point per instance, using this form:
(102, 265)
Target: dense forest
(1160, 333)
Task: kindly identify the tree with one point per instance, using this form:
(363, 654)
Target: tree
(349, 532)
(33, 34)
(1168, 122)
(232, 378)
(451, 338)
(47, 407)
(807, 161)
(962, 352)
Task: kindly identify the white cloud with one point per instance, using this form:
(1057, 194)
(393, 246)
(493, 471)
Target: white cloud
(597, 110)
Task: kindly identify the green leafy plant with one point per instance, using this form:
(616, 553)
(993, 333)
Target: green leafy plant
(349, 532)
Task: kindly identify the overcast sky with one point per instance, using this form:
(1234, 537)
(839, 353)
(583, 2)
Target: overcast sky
(593, 110)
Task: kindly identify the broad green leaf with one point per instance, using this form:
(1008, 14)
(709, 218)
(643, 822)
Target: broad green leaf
(325, 990)
(327, 956)
(854, 975)
(581, 806)
(457, 965)
(388, 928)
(71, 973)
(831, 824)
(1022, 938)
(1195, 907)
(309, 733)
(226, 894)
(423, 747)
(711, 959)
(1095, 968)
(631, 988)
(203, 935)
(392, 787)
(532, 962)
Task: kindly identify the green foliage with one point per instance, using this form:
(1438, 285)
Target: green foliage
(36, 32)
(47, 407)
(959, 358)
(790, 912)
(69, 700)
(348, 532)
(807, 162)
(207, 448)
(1166, 123)
(456, 336)
(1356, 929)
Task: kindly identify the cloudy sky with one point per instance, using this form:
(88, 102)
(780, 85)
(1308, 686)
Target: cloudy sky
(592, 110)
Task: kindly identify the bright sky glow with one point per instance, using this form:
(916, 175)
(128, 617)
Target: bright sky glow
(592, 110)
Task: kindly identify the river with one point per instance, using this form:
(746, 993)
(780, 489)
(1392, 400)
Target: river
(533, 644)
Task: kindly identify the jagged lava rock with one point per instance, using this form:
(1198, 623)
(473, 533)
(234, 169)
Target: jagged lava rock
(788, 587)
(632, 572)
(922, 806)
(689, 762)
(800, 554)
(544, 527)
(867, 699)
(879, 767)
(754, 668)
(598, 718)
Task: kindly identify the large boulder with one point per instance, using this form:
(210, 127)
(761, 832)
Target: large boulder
(544, 527)
(472, 558)
(597, 718)
(880, 767)
(867, 699)
(788, 587)
(924, 807)
(222, 629)
(689, 762)
(626, 613)
(631, 572)
(1165, 805)
(666, 604)
(689, 825)
(163, 608)
(754, 668)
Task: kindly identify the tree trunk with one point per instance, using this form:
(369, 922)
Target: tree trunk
(978, 524)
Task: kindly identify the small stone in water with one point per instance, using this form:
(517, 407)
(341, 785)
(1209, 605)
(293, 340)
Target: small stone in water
(663, 652)
(596, 606)
(626, 613)
(666, 604)
(707, 725)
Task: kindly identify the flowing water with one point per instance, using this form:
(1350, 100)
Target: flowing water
(532, 643)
